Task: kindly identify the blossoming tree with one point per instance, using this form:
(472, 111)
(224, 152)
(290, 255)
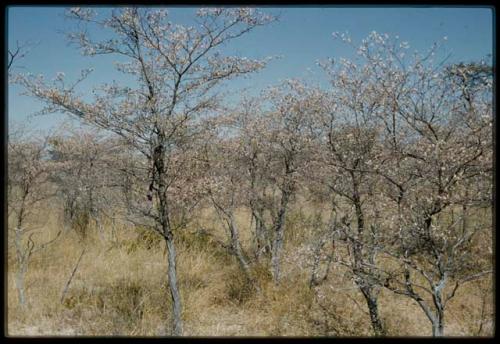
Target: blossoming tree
(430, 144)
(177, 69)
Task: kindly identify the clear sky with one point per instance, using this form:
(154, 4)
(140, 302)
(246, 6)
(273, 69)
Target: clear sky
(302, 36)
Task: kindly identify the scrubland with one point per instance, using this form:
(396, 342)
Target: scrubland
(360, 207)
(120, 288)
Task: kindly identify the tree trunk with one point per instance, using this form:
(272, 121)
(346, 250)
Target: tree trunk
(258, 236)
(164, 222)
(173, 286)
(236, 247)
(436, 316)
(276, 254)
(438, 319)
(438, 325)
(20, 278)
(261, 242)
(22, 259)
(374, 317)
(279, 234)
(172, 267)
(315, 280)
(372, 303)
(366, 288)
(261, 239)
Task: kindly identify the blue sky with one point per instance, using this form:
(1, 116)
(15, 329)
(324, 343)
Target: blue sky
(302, 36)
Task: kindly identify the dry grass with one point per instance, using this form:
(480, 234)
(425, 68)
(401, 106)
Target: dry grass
(120, 289)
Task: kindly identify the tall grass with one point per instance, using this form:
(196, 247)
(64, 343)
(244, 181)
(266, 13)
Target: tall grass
(120, 289)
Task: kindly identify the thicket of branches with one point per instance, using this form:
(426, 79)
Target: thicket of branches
(398, 147)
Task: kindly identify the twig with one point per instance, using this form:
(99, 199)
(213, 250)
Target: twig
(72, 275)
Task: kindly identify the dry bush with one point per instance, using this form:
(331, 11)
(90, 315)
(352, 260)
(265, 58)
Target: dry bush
(119, 291)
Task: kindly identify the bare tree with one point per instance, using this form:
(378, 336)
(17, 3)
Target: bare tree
(254, 157)
(177, 69)
(264, 151)
(86, 176)
(226, 187)
(449, 167)
(436, 146)
(289, 135)
(347, 146)
(399, 129)
(28, 180)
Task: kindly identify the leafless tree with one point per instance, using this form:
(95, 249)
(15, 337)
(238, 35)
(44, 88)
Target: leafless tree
(287, 135)
(226, 186)
(437, 144)
(254, 156)
(412, 142)
(177, 69)
(448, 167)
(86, 176)
(347, 146)
(28, 179)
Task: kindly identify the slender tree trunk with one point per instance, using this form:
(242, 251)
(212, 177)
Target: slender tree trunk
(73, 272)
(367, 289)
(258, 236)
(438, 319)
(360, 219)
(174, 287)
(164, 221)
(464, 215)
(436, 316)
(438, 325)
(279, 234)
(20, 278)
(276, 254)
(236, 247)
(172, 270)
(22, 259)
(372, 303)
(261, 236)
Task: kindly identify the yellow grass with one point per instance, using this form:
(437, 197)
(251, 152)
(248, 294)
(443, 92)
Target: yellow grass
(120, 289)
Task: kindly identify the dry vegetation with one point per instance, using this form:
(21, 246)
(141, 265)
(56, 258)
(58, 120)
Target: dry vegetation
(358, 209)
(120, 289)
